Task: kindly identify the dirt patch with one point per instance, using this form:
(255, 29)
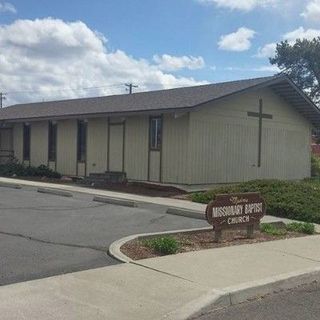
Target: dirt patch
(144, 189)
(200, 240)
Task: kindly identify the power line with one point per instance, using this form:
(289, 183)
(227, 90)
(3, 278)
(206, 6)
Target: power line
(144, 85)
(119, 85)
(66, 89)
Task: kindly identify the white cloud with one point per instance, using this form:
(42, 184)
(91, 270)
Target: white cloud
(243, 5)
(312, 11)
(7, 7)
(271, 69)
(167, 62)
(267, 51)
(301, 33)
(237, 41)
(48, 55)
(264, 69)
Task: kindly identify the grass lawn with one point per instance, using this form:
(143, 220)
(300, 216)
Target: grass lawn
(299, 200)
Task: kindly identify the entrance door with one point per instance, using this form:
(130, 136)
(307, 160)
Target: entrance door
(116, 147)
(155, 142)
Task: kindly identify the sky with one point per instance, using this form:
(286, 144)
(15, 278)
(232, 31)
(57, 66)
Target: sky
(76, 48)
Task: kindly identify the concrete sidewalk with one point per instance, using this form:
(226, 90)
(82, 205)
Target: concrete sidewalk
(169, 202)
(169, 287)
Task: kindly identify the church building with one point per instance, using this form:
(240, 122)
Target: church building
(217, 133)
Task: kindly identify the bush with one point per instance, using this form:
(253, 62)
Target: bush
(307, 228)
(20, 170)
(272, 230)
(298, 200)
(315, 166)
(163, 245)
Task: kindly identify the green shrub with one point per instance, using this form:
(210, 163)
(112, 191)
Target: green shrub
(298, 200)
(272, 230)
(163, 245)
(315, 166)
(307, 228)
(20, 170)
(201, 197)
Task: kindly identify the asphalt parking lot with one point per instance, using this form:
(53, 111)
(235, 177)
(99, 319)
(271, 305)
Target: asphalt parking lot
(43, 235)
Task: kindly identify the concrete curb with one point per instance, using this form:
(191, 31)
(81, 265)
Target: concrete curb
(237, 294)
(11, 185)
(56, 192)
(186, 213)
(116, 201)
(115, 252)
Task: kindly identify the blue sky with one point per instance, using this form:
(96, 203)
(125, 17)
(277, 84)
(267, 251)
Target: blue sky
(154, 43)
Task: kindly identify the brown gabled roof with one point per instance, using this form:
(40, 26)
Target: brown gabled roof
(178, 99)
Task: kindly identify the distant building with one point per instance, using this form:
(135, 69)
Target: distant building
(217, 133)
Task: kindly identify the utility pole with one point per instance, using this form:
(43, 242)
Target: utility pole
(2, 98)
(130, 86)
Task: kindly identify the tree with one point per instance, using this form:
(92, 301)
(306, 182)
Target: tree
(301, 62)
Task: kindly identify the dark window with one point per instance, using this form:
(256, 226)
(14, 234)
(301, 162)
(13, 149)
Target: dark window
(26, 141)
(155, 133)
(82, 140)
(52, 141)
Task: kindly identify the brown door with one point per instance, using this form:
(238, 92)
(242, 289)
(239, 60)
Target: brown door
(116, 147)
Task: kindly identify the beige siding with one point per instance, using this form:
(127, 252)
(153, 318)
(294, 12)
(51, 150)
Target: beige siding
(224, 141)
(17, 141)
(67, 147)
(39, 143)
(6, 139)
(97, 145)
(136, 147)
(6, 145)
(175, 149)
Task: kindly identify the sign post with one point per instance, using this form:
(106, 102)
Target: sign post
(235, 211)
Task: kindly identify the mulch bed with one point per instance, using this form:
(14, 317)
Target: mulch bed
(144, 189)
(200, 240)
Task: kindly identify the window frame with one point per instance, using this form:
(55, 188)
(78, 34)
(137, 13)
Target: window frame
(52, 138)
(26, 142)
(82, 145)
(158, 133)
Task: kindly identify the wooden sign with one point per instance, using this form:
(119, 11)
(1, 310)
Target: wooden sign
(235, 210)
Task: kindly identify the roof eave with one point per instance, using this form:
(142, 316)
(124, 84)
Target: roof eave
(100, 114)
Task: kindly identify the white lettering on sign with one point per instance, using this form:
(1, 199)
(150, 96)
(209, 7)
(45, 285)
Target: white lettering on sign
(237, 210)
(236, 220)
(253, 208)
(227, 211)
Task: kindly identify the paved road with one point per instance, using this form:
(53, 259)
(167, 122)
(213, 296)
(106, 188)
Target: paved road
(43, 235)
(297, 304)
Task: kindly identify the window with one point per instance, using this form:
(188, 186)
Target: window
(82, 140)
(52, 141)
(155, 133)
(26, 141)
